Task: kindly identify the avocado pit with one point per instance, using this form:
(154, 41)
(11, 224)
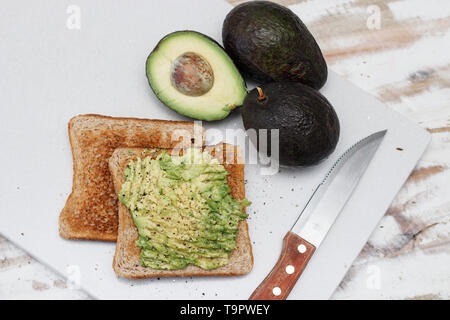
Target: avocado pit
(191, 74)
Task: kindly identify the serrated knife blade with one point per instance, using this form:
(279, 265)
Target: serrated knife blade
(317, 217)
(335, 190)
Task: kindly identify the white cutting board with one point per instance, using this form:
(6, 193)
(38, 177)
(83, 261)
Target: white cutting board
(49, 73)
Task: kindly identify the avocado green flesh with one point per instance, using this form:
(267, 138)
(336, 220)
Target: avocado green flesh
(227, 92)
(183, 210)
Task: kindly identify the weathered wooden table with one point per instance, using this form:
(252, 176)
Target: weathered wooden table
(398, 50)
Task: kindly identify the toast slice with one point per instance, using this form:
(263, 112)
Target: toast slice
(126, 258)
(91, 211)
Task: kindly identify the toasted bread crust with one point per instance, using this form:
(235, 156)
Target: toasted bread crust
(126, 258)
(91, 211)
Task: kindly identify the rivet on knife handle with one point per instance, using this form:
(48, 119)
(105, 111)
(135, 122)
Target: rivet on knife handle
(294, 257)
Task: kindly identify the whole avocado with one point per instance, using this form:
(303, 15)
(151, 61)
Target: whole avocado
(308, 125)
(268, 42)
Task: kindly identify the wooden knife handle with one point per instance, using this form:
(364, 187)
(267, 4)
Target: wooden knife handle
(279, 282)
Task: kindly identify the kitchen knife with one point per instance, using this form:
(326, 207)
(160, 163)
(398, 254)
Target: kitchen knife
(319, 214)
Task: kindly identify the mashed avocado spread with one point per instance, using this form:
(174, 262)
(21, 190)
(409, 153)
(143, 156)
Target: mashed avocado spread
(183, 210)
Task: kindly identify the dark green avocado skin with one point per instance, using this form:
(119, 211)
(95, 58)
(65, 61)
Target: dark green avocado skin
(268, 42)
(308, 125)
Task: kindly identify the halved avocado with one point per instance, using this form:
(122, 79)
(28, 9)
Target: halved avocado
(191, 74)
